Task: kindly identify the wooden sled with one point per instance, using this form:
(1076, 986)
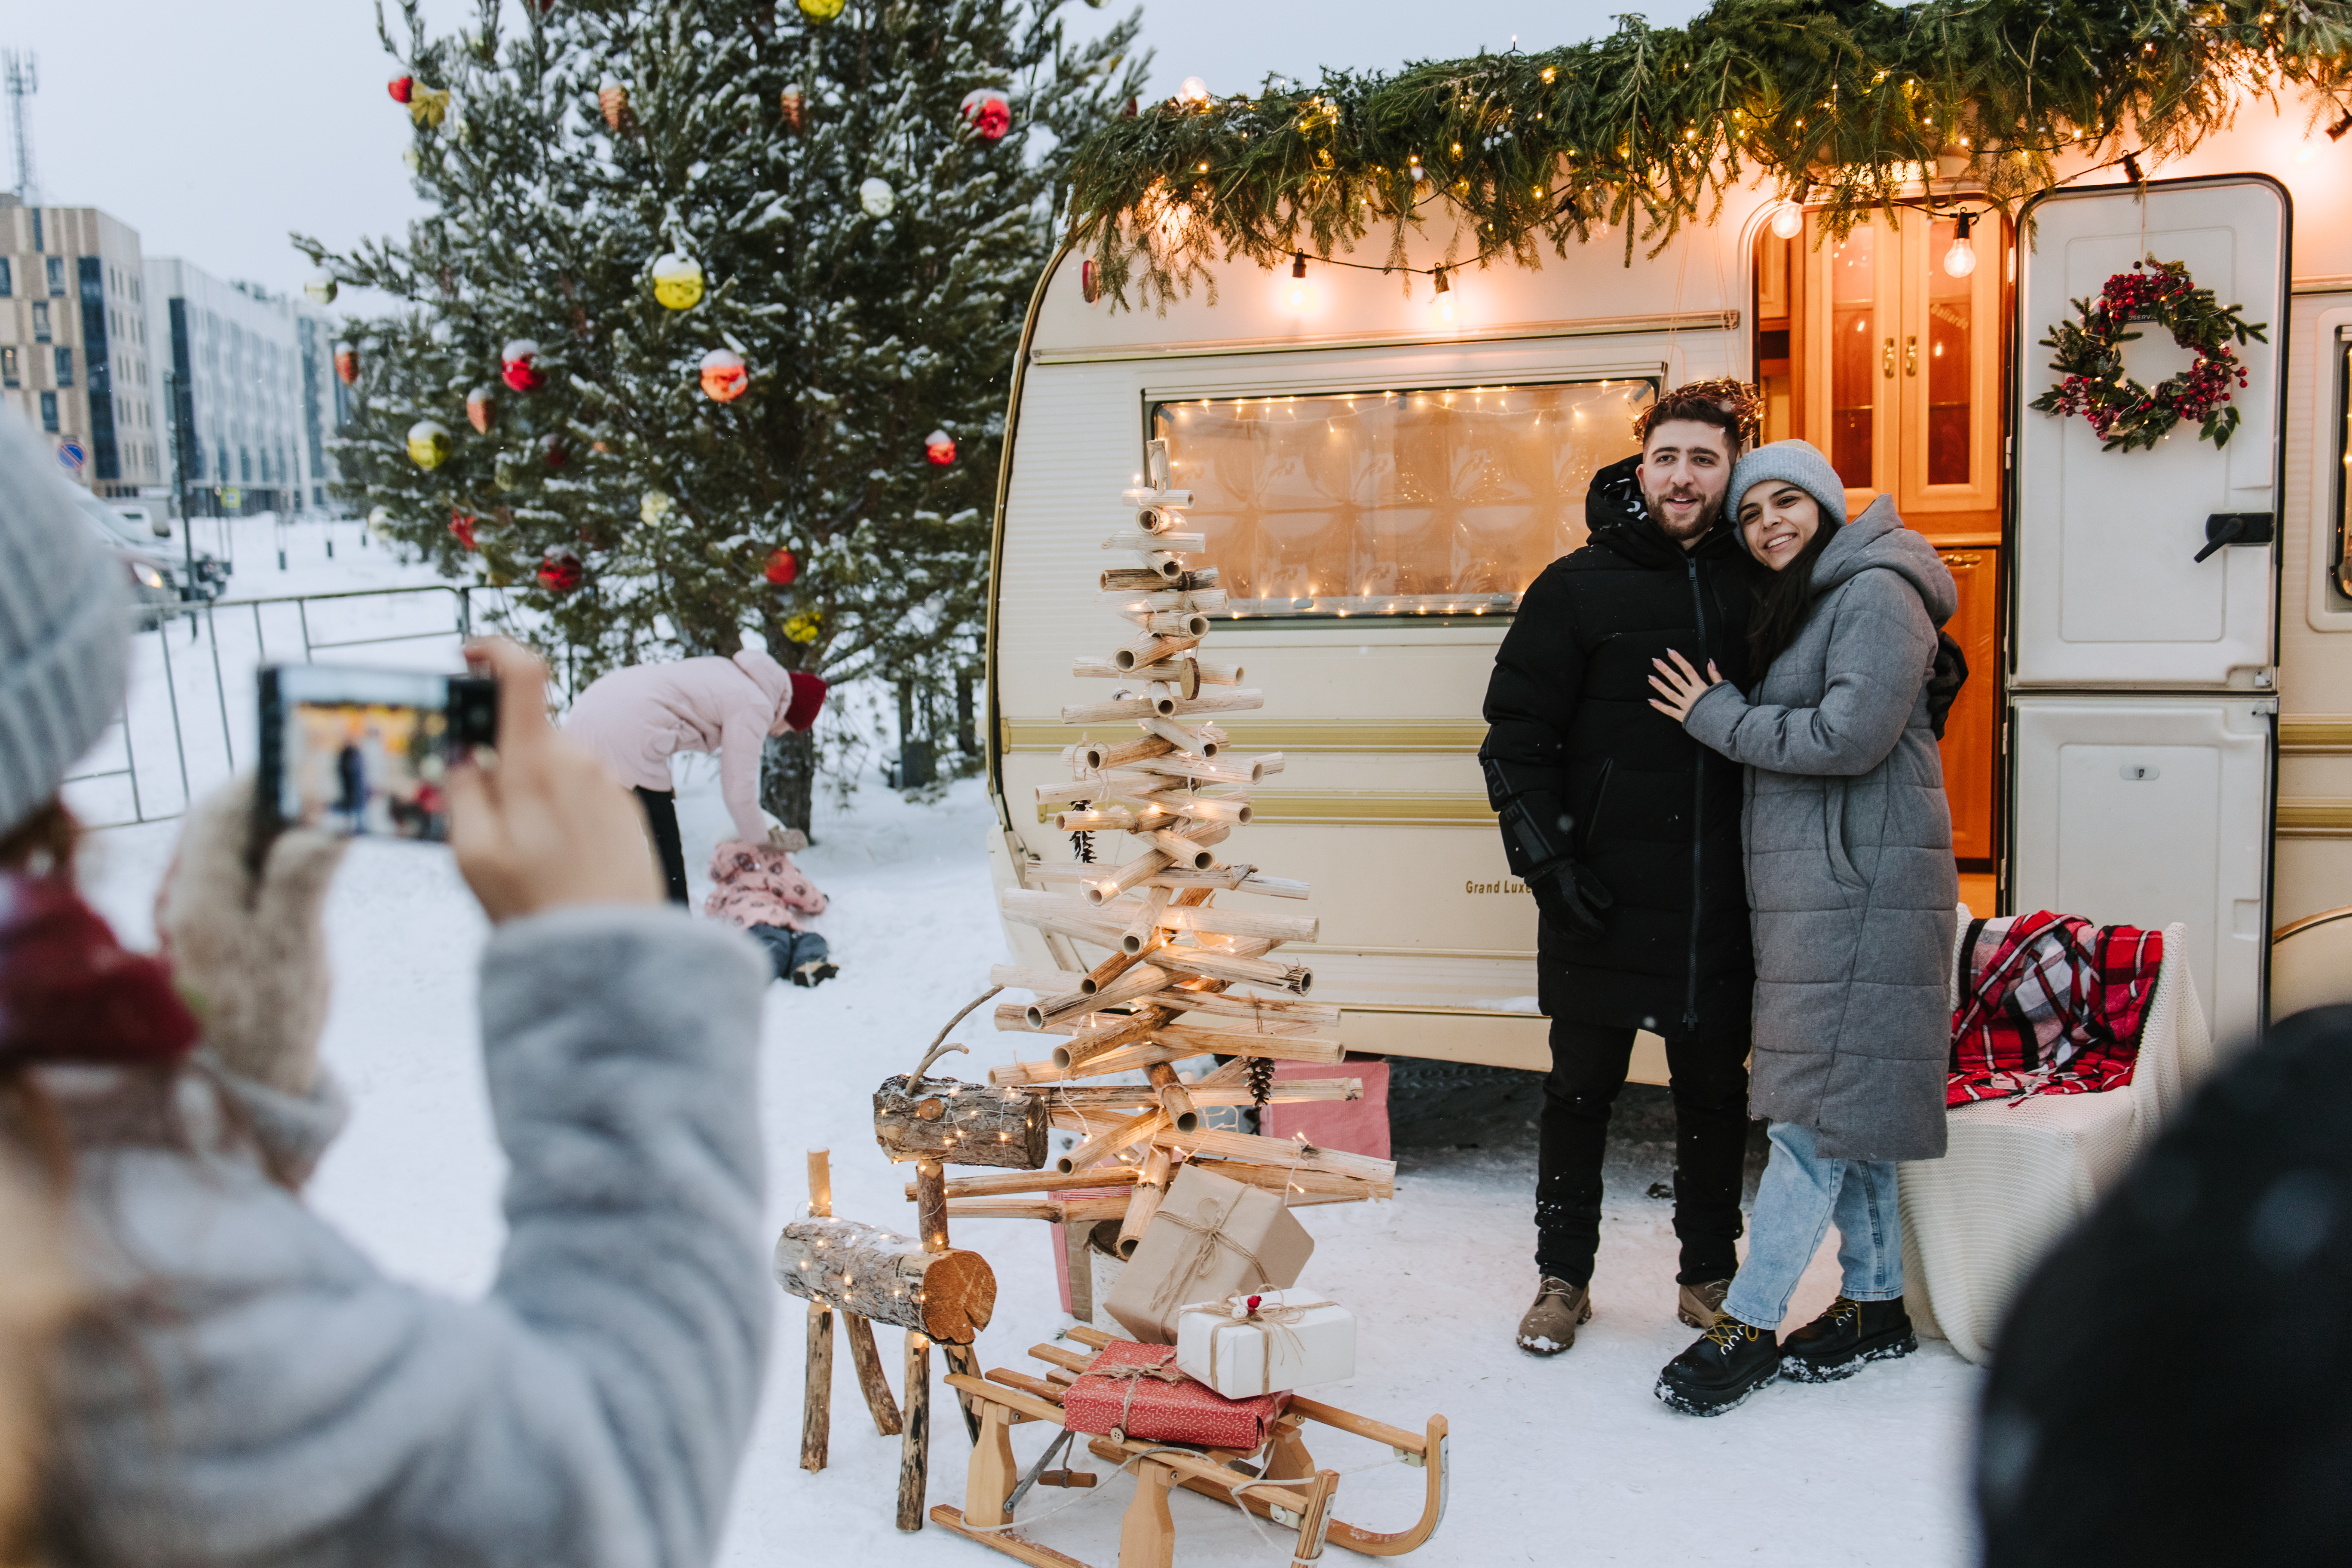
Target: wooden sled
(1286, 1488)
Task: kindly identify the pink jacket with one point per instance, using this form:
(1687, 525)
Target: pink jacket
(754, 884)
(635, 718)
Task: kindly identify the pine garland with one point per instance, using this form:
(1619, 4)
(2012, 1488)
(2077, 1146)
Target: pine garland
(1648, 129)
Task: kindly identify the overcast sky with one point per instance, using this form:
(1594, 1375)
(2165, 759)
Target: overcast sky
(213, 127)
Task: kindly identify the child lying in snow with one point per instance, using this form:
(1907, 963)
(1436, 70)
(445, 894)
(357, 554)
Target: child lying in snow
(757, 887)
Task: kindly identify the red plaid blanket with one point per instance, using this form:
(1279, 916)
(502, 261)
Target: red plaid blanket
(2048, 1005)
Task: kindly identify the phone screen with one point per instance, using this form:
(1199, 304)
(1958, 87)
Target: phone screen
(366, 752)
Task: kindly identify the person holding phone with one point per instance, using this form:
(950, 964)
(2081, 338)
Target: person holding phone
(240, 1384)
(636, 719)
(1849, 873)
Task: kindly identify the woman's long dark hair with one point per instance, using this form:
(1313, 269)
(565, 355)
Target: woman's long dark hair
(1785, 598)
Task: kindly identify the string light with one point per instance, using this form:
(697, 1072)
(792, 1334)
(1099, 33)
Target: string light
(1961, 259)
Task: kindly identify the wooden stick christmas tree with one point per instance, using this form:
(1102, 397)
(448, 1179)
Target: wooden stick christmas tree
(1172, 984)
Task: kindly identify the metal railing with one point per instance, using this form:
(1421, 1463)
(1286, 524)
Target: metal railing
(255, 632)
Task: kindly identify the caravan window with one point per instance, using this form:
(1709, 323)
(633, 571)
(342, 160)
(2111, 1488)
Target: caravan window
(1434, 500)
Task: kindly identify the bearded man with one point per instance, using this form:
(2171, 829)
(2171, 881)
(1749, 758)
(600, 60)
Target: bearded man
(1627, 832)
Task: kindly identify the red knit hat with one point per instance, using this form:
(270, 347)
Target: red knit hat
(808, 696)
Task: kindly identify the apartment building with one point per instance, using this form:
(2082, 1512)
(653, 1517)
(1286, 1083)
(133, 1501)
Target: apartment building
(75, 358)
(251, 401)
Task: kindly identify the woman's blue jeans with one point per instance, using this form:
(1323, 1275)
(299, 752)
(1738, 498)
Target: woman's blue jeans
(1801, 1196)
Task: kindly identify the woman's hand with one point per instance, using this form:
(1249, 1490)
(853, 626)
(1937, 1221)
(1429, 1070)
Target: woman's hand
(1680, 685)
(542, 824)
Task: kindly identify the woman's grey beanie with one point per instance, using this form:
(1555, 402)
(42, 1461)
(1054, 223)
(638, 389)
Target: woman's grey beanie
(1799, 463)
(65, 621)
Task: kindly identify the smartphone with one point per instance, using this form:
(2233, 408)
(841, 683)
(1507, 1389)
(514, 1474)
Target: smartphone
(366, 752)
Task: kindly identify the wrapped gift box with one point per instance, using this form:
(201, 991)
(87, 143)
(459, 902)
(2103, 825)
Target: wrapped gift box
(1212, 1236)
(1267, 1343)
(1135, 1391)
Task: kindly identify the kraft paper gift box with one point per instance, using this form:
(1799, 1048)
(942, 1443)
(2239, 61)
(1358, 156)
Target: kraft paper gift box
(1212, 1236)
(1135, 1391)
(1267, 1343)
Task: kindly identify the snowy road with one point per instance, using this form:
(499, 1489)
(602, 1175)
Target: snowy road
(1562, 1460)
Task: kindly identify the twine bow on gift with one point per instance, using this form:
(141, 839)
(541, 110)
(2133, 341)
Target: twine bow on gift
(1271, 1318)
(1132, 1372)
(1204, 1236)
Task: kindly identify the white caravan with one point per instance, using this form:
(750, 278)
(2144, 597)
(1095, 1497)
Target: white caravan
(2150, 733)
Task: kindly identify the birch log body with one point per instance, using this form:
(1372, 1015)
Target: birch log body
(886, 1277)
(1168, 543)
(1190, 741)
(1151, 648)
(1228, 770)
(1119, 579)
(1098, 755)
(1243, 923)
(960, 1123)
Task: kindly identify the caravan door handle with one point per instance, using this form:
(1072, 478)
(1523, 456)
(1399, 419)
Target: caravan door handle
(1886, 360)
(2223, 528)
(1911, 356)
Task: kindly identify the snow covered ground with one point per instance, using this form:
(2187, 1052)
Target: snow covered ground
(1561, 1459)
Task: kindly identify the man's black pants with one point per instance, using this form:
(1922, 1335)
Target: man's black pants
(661, 825)
(1710, 1067)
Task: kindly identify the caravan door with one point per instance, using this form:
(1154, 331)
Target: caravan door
(2143, 732)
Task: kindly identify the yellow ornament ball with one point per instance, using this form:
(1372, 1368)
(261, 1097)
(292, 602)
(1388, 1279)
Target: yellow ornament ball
(428, 444)
(654, 506)
(822, 10)
(804, 628)
(677, 282)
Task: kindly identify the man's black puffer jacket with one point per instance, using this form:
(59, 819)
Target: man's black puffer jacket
(1652, 812)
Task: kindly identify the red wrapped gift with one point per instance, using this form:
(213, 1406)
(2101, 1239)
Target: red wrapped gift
(1132, 1390)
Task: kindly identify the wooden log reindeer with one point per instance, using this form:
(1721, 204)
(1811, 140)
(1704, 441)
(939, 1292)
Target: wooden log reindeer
(920, 1284)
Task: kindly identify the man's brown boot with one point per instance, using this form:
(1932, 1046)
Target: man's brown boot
(1700, 1305)
(1549, 1326)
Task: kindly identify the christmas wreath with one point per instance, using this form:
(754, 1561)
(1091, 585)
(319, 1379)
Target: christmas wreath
(2126, 413)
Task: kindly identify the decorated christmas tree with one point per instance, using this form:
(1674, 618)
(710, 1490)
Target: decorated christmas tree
(708, 329)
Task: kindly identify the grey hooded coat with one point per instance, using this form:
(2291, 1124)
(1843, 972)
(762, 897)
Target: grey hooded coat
(1849, 848)
(251, 1390)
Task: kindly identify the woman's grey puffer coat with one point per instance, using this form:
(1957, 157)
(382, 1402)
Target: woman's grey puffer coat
(1849, 841)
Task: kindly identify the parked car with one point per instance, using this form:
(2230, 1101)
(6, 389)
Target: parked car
(137, 528)
(157, 581)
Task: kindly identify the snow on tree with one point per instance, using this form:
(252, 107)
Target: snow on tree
(868, 201)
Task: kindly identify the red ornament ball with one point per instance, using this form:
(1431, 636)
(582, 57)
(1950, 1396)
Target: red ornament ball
(724, 377)
(347, 364)
(561, 571)
(783, 567)
(519, 365)
(938, 447)
(462, 526)
(551, 452)
(401, 88)
(989, 113)
(482, 408)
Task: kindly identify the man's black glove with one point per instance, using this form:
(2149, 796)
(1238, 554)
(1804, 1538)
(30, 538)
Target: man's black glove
(1570, 898)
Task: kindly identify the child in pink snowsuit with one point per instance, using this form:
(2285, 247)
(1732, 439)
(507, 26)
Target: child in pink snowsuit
(758, 888)
(636, 719)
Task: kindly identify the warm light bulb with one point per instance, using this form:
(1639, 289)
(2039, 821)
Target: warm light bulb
(1786, 220)
(1192, 89)
(1961, 259)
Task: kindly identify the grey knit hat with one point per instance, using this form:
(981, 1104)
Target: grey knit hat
(1799, 463)
(64, 627)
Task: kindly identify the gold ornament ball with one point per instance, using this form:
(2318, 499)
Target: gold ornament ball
(822, 10)
(379, 523)
(677, 282)
(877, 197)
(428, 444)
(654, 506)
(321, 287)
